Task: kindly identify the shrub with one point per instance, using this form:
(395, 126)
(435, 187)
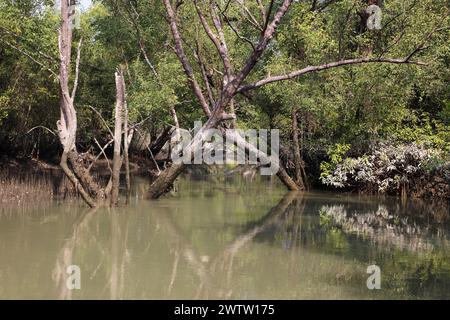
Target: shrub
(387, 168)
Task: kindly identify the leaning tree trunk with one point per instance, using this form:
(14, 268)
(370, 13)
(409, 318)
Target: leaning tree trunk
(264, 158)
(168, 176)
(217, 114)
(297, 156)
(165, 180)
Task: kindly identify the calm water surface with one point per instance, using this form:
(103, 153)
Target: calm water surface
(215, 240)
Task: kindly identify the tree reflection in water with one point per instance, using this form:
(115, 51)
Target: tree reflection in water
(86, 229)
(223, 261)
(302, 247)
(383, 227)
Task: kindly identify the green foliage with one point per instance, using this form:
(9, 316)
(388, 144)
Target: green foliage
(422, 129)
(336, 155)
(351, 105)
(27, 89)
(4, 102)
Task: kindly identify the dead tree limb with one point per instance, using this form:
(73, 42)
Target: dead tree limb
(128, 136)
(310, 69)
(183, 58)
(118, 115)
(102, 152)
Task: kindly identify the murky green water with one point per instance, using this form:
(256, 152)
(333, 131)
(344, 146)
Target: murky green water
(235, 239)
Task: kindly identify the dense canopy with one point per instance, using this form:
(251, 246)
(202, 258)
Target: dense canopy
(400, 97)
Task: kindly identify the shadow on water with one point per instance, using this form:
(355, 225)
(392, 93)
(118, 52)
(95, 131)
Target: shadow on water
(222, 239)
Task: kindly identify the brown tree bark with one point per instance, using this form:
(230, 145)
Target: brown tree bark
(67, 124)
(165, 180)
(161, 140)
(168, 176)
(297, 156)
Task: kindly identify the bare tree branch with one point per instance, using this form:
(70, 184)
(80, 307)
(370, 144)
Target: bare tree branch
(218, 43)
(309, 69)
(41, 127)
(29, 56)
(102, 152)
(422, 46)
(183, 59)
(231, 88)
(139, 37)
(269, 12)
(150, 151)
(250, 17)
(236, 32)
(204, 75)
(35, 47)
(262, 12)
(77, 69)
(102, 119)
